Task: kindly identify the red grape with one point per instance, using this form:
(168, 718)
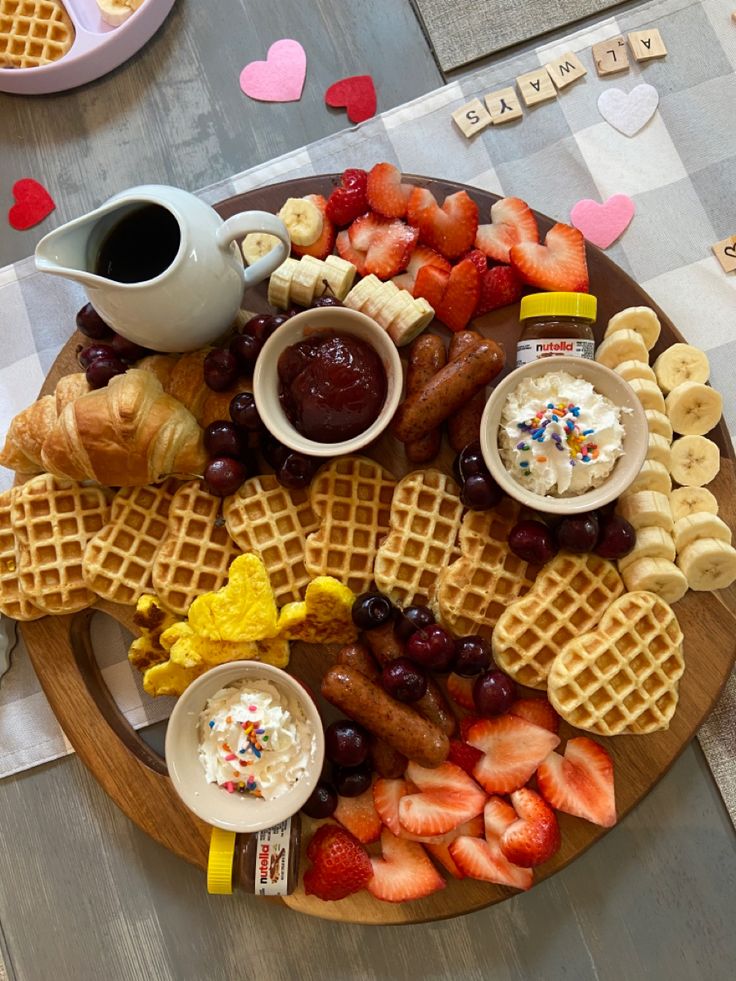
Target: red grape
(322, 801)
(220, 370)
(617, 538)
(372, 610)
(404, 680)
(346, 743)
(222, 438)
(91, 324)
(532, 541)
(94, 351)
(101, 370)
(432, 647)
(472, 655)
(578, 533)
(493, 693)
(224, 475)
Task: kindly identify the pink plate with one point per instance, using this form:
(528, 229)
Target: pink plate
(96, 50)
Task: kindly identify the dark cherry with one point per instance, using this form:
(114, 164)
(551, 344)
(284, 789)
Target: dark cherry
(94, 351)
(480, 492)
(297, 470)
(470, 460)
(617, 538)
(493, 693)
(222, 438)
(258, 326)
(472, 656)
(372, 610)
(101, 370)
(322, 801)
(274, 452)
(221, 369)
(404, 680)
(327, 301)
(346, 743)
(128, 350)
(91, 324)
(244, 413)
(431, 647)
(413, 618)
(246, 348)
(578, 533)
(532, 541)
(224, 475)
(276, 322)
(352, 781)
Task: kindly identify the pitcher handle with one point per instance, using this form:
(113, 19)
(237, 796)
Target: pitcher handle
(237, 227)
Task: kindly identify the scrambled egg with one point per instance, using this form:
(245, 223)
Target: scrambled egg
(152, 620)
(324, 617)
(244, 609)
(190, 650)
(169, 678)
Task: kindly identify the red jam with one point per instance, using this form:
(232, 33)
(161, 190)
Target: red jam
(332, 386)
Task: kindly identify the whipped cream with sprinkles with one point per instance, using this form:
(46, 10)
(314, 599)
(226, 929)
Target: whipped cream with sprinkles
(254, 739)
(558, 436)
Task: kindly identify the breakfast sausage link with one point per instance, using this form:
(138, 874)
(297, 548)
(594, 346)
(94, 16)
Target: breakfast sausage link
(464, 340)
(384, 644)
(426, 356)
(464, 426)
(385, 760)
(369, 705)
(446, 391)
(359, 657)
(436, 709)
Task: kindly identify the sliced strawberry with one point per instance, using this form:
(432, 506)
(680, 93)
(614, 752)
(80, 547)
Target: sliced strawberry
(460, 298)
(559, 264)
(349, 200)
(440, 850)
(447, 797)
(388, 244)
(431, 283)
(449, 229)
(326, 242)
(538, 711)
(346, 251)
(386, 194)
(480, 859)
(478, 259)
(421, 256)
(386, 797)
(359, 816)
(513, 750)
(460, 691)
(466, 723)
(580, 782)
(341, 866)
(499, 286)
(535, 836)
(498, 815)
(512, 222)
(463, 755)
(403, 872)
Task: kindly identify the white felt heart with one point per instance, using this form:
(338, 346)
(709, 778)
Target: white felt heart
(628, 112)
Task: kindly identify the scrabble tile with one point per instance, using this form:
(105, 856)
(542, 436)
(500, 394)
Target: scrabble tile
(503, 106)
(472, 118)
(725, 252)
(611, 56)
(647, 44)
(566, 69)
(536, 87)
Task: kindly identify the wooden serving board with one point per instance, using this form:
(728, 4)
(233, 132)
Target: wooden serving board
(136, 778)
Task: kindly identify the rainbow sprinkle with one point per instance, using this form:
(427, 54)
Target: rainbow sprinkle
(255, 737)
(564, 415)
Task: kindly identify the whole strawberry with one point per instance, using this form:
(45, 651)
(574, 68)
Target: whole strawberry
(341, 866)
(350, 200)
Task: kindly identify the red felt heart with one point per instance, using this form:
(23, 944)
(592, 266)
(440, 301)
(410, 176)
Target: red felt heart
(357, 94)
(33, 204)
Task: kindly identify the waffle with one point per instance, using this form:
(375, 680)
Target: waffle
(274, 522)
(196, 552)
(623, 676)
(53, 519)
(569, 596)
(117, 562)
(352, 499)
(476, 589)
(33, 33)
(13, 601)
(425, 520)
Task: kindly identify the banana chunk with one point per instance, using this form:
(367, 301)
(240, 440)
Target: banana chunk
(116, 12)
(681, 363)
(698, 526)
(279, 285)
(653, 476)
(658, 423)
(643, 320)
(257, 244)
(692, 500)
(658, 448)
(338, 276)
(305, 279)
(635, 369)
(622, 345)
(694, 461)
(659, 576)
(708, 563)
(303, 220)
(651, 543)
(409, 323)
(396, 310)
(648, 394)
(693, 408)
(645, 508)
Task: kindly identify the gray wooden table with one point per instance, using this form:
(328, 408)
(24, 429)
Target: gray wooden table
(83, 894)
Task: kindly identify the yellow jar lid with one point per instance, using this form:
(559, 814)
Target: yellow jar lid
(220, 862)
(581, 305)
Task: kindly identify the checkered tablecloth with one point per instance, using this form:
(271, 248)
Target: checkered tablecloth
(680, 170)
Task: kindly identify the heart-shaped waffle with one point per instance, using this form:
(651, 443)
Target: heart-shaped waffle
(13, 601)
(623, 676)
(352, 499)
(424, 523)
(476, 589)
(569, 597)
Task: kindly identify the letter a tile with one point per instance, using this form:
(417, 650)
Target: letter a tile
(536, 87)
(647, 44)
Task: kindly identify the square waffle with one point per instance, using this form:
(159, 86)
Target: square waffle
(53, 519)
(274, 522)
(196, 551)
(476, 589)
(13, 601)
(569, 597)
(33, 32)
(623, 676)
(352, 499)
(424, 523)
(117, 562)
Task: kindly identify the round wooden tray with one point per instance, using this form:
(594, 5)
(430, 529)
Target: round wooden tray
(136, 778)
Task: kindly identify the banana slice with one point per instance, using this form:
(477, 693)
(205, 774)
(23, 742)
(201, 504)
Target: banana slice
(116, 12)
(338, 276)
(700, 526)
(359, 294)
(257, 244)
(651, 543)
(708, 564)
(643, 320)
(658, 423)
(279, 285)
(635, 369)
(658, 576)
(303, 220)
(399, 303)
(305, 279)
(692, 500)
(411, 322)
(622, 345)
(653, 476)
(693, 408)
(694, 461)
(378, 299)
(681, 363)
(658, 449)
(648, 394)
(645, 508)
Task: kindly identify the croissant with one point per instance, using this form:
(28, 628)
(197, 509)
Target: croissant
(125, 435)
(26, 435)
(186, 383)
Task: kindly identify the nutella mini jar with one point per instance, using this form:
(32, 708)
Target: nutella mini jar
(556, 324)
(264, 863)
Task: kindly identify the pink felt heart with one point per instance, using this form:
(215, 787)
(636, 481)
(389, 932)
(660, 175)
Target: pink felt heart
(280, 78)
(33, 204)
(602, 224)
(357, 94)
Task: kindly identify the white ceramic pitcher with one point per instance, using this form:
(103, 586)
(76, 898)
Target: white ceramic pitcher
(194, 299)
